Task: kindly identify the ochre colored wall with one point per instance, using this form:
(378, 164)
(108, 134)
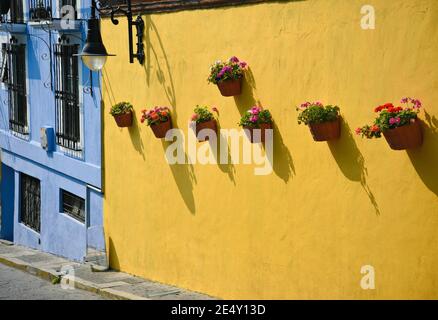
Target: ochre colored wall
(306, 230)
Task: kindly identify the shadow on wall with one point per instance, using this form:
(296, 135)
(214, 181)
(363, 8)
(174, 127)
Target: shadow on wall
(112, 255)
(183, 174)
(163, 76)
(350, 161)
(425, 158)
(134, 134)
(227, 167)
(283, 165)
(246, 99)
(185, 178)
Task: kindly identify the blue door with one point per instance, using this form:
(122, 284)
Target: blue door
(7, 188)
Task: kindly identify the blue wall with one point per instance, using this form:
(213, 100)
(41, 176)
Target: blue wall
(60, 234)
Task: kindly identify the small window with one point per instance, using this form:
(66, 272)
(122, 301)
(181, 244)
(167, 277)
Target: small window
(30, 202)
(73, 206)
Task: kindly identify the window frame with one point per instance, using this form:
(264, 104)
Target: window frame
(78, 150)
(21, 130)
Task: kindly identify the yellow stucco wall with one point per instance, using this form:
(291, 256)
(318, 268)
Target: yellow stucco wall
(306, 230)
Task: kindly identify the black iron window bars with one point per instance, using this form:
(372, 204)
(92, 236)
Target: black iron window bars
(15, 10)
(15, 67)
(73, 206)
(40, 10)
(30, 202)
(68, 127)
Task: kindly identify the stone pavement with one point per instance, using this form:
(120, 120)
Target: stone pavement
(18, 285)
(109, 284)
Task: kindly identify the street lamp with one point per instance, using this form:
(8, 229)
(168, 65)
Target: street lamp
(94, 54)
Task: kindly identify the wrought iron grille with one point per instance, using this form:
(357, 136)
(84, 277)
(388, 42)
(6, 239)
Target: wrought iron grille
(68, 133)
(40, 9)
(16, 14)
(73, 205)
(30, 204)
(71, 3)
(16, 80)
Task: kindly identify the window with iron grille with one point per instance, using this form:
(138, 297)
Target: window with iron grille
(70, 3)
(73, 206)
(30, 202)
(14, 73)
(68, 113)
(15, 12)
(40, 10)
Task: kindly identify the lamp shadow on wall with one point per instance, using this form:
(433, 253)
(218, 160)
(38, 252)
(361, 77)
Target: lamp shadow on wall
(425, 158)
(351, 161)
(185, 178)
(164, 76)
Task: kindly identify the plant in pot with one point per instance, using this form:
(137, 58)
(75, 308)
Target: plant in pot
(256, 118)
(228, 76)
(399, 125)
(122, 113)
(323, 121)
(5, 5)
(158, 119)
(204, 119)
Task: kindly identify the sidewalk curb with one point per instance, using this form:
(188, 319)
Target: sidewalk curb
(77, 283)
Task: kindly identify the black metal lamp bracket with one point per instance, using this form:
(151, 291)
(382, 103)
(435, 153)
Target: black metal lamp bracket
(139, 26)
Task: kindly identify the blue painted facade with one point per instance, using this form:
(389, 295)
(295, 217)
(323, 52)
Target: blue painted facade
(79, 173)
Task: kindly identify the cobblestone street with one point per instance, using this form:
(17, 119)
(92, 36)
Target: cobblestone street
(18, 285)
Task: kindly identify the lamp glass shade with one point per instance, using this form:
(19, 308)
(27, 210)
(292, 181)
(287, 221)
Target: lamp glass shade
(94, 62)
(94, 54)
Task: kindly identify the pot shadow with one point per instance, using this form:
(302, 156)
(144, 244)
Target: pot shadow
(185, 178)
(164, 76)
(283, 164)
(351, 161)
(134, 134)
(227, 167)
(425, 158)
(246, 99)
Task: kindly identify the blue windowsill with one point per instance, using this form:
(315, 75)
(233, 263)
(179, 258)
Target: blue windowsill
(13, 27)
(56, 24)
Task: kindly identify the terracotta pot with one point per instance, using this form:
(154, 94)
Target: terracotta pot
(5, 5)
(212, 124)
(229, 88)
(124, 120)
(160, 129)
(326, 131)
(263, 127)
(405, 137)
